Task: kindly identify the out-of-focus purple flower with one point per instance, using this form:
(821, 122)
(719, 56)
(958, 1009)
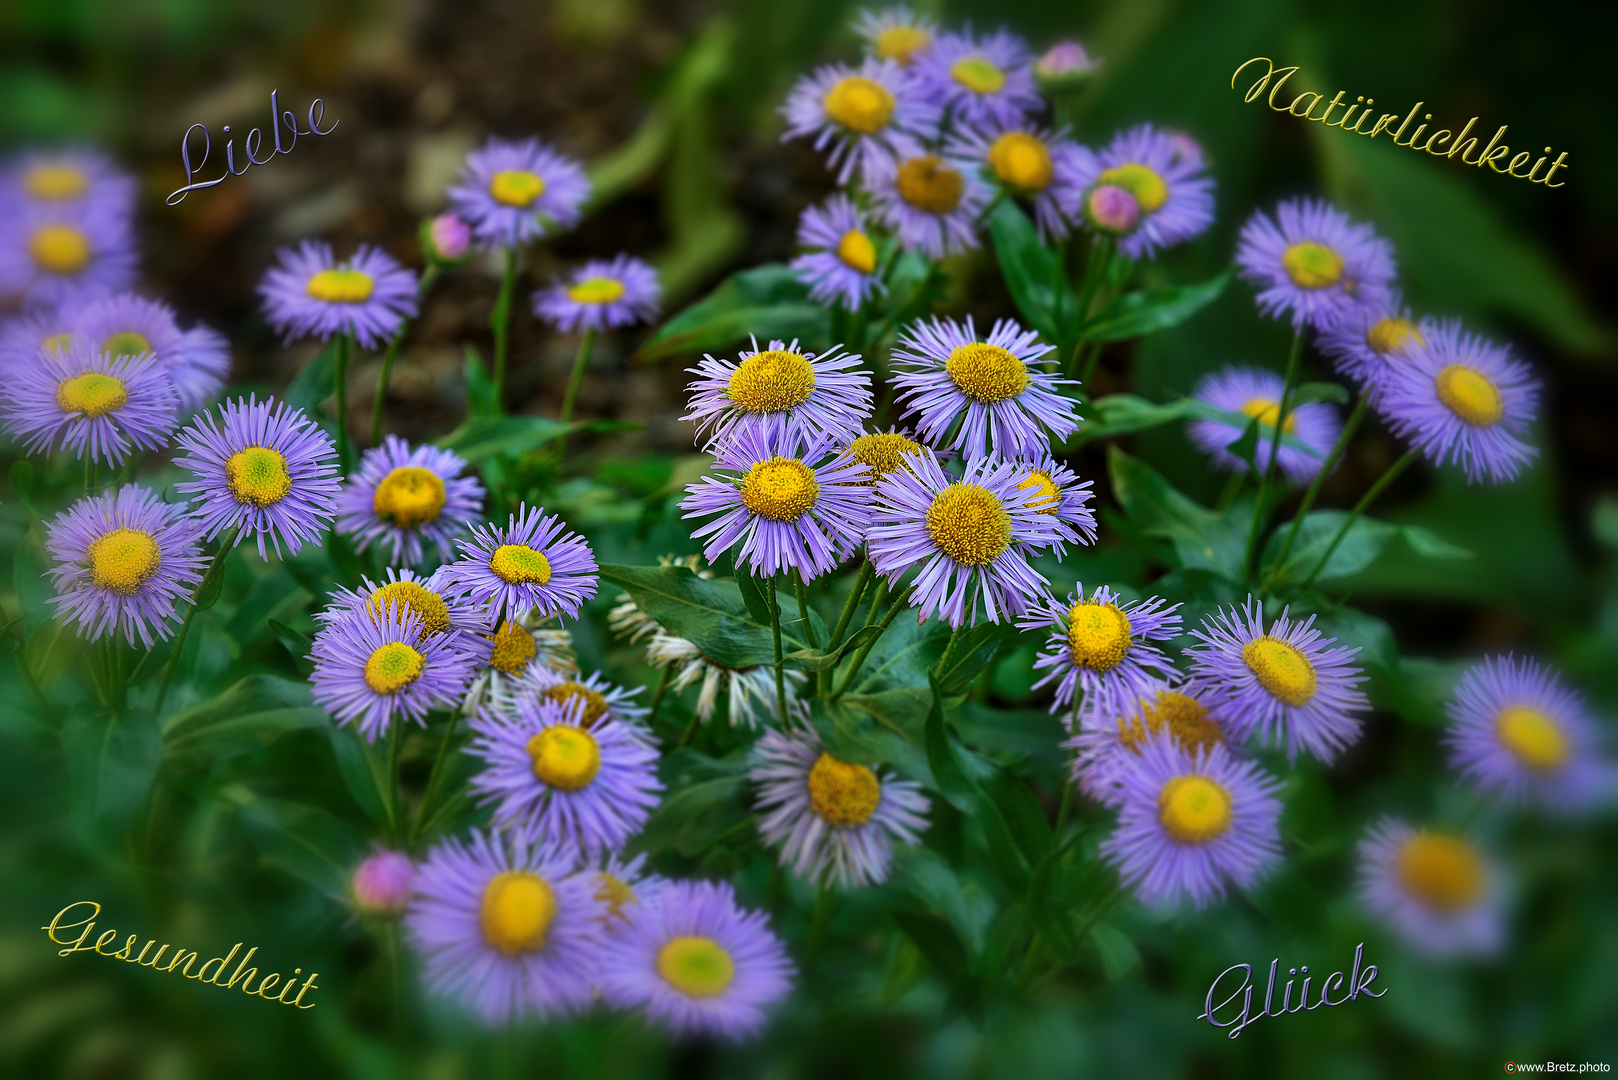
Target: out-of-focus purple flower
(1254, 393)
(100, 407)
(1312, 262)
(310, 293)
(512, 193)
(603, 294)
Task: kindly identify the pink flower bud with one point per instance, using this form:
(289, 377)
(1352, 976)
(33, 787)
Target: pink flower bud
(1065, 58)
(382, 884)
(1112, 209)
(451, 236)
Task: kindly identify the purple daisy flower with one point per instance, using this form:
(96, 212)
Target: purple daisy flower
(508, 929)
(561, 783)
(63, 255)
(968, 537)
(123, 559)
(882, 452)
(1104, 747)
(780, 391)
(401, 499)
(866, 115)
(1519, 732)
(74, 177)
(309, 293)
(603, 294)
(465, 627)
(512, 193)
(983, 81)
(1056, 490)
(532, 563)
(836, 821)
(1143, 189)
(1031, 162)
(1373, 340)
(792, 505)
(1463, 399)
(620, 882)
(518, 650)
(1285, 684)
(266, 470)
(896, 34)
(196, 361)
(840, 264)
(23, 338)
(1104, 648)
(1314, 262)
(1255, 393)
(932, 200)
(598, 698)
(1437, 891)
(379, 668)
(380, 886)
(100, 407)
(698, 963)
(1191, 825)
(1004, 406)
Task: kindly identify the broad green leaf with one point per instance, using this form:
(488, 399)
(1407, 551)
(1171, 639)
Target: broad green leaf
(1424, 541)
(1033, 275)
(1049, 901)
(1203, 539)
(479, 386)
(937, 941)
(315, 382)
(705, 798)
(1307, 392)
(482, 437)
(296, 643)
(307, 842)
(815, 660)
(1124, 414)
(974, 651)
(1118, 953)
(248, 716)
(764, 302)
(111, 762)
(52, 649)
(710, 614)
(362, 771)
(1137, 314)
(1246, 447)
(1363, 544)
(888, 727)
(926, 876)
(949, 772)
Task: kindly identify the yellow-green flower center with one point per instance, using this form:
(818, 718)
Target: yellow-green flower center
(697, 967)
(1267, 410)
(409, 496)
(772, 381)
(595, 702)
(127, 343)
(1533, 737)
(1312, 266)
(968, 524)
(517, 911)
(258, 475)
(514, 648)
(986, 373)
(779, 488)
(57, 343)
(842, 793)
(1021, 160)
(565, 757)
(1281, 669)
(1097, 635)
(883, 453)
(1194, 809)
(1470, 394)
(978, 75)
(859, 104)
(393, 667)
(928, 184)
(515, 187)
(1139, 180)
(57, 181)
(857, 252)
(519, 564)
(596, 290)
(902, 43)
(407, 598)
(615, 893)
(1441, 871)
(339, 285)
(59, 249)
(1046, 497)
(93, 394)
(123, 559)
(1386, 335)
(1185, 718)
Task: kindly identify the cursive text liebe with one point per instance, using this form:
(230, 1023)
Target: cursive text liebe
(1359, 982)
(250, 146)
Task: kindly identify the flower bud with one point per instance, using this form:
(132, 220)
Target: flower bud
(382, 883)
(446, 240)
(1065, 66)
(1112, 209)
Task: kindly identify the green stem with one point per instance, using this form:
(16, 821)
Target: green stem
(89, 474)
(345, 345)
(802, 593)
(851, 604)
(915, 294)
(428, 276)
(690, 730)
(657, 696)
(432, 780)
(1064, 808)
(392, 793)
(396, 966)
(900, 598)
(775, 632)
(1359, 508)
(1267, 474)
(949, 651)
(1353, 423)
(500, 324)
(1094, 270)
(227, 542)
(571, 397)
(818, 927)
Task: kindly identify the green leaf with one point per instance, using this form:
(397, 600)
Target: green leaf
(768, 301)
(815, 660)
(1319, 391)
(482, 437)
(887, 727)
(1246, 447)
(1137, 314)
(250, 715)
(706, 798)
(307, 842)
(296, 643)
(1361, 547)
(949, 772)
(1033, 275)
(52, 649)
(1203, 539)
(479, 386)
(937, 941)
(710, 614)
(1124, 414)
(111, 762)
(315, 382)
(361, 771)
(974, 651)
(1424, 541)
(1118, 953)
(28, 576)
(1049, 906)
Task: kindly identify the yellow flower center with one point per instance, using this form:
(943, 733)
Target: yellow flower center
(968, 524)
(1470, 395)
(1386, 335)
(902, 43)
(93, 394)
(595, 702)
(1022, 161)
(697, 967)
(565, 757)
(596, 290)
(57, 343)
(857, 251)
(1312, 266)
(1441, 871)
(393, 667)
(977, 75)
(842, 793)
(1194, 809)
(56, 182)
(1185, 718)
(517, 912)
(615, 893)
(513, 649)
(407, 598)
(515, 187)
(1046, 495)
(1097, 635)
(928, 184)
(781, 489)
(127, 343)
(1533, 737)
(882, 453)
(59, 249)
(1281, 669)
(409, 496)
(772, 381)
(123, 559)
(1141, 181)
(859, 104)
(340, 286)
(1267, 410)
(520, 564)
(986, 373)
(257, 475)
